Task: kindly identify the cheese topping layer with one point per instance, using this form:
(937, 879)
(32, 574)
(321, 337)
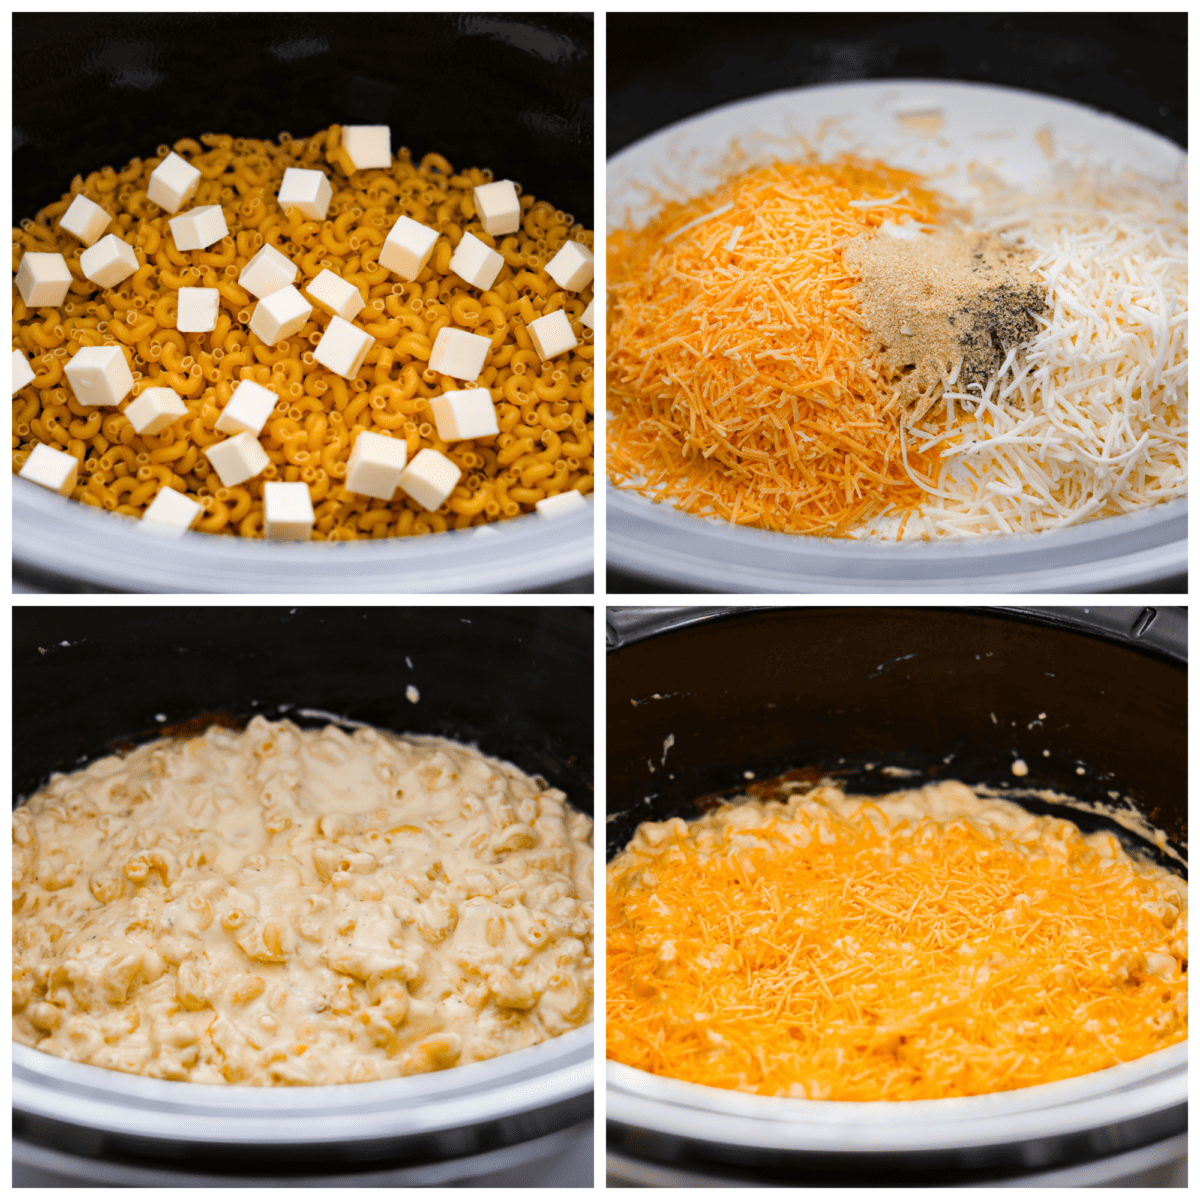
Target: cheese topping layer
(287, 906)
(925, 944)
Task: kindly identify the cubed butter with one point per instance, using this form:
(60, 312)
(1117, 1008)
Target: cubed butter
(407, 248)
(572, 267)
(154, 409)
(280, 315)
(109, 262)
(237, 459)
(53, 469)
(430, 478)
(308, 191)
(368, 146)
(561, 503)
(342, 348)
(43, 279)
(552, 335)
(197, 310)
(475, 262)
(469, 413)
(23, 374)
(267, 272)
(172, 183)
(376, 464)
(199, 228)
(459, 354)
(287, 512)
(248, 409)
(589, 315)
(171, 513)
(85, 220)
(335, 295)
(99, 375)
(499, 207)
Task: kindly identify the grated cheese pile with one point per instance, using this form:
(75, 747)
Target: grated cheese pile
(928, 944)
(1090, 419)
(741, 383)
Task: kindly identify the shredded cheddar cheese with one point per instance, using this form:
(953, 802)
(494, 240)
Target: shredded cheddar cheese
(929, 944)
(741, 381)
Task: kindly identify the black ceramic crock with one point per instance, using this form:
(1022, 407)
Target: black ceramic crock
(1092, 700)
(513, 92)
(515, 682)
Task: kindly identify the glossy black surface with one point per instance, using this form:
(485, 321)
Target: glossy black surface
(507, 91)
(516, 682)
(947, 694)
(1133, 65)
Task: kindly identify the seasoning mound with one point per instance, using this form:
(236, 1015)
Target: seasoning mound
(943, 308)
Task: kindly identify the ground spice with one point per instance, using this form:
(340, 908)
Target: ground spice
(944, 308)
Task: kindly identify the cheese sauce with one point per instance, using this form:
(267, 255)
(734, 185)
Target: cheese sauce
(287, 906)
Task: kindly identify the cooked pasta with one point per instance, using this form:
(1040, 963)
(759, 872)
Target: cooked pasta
(544, 410)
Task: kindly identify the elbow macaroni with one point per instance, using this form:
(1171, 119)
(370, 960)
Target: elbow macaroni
(391, 391)
(281, 906)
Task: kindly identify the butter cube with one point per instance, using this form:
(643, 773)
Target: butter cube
(408, 247)
(109, 261)
(248, 409)
(237, 459)
(84, 220)
(53, 469)
(572, 267)
(280, 315)
(199, 228)
(343, 347)
(459, 354)
(552, 335)
(268, 271)
(475, 262)
(309, 191)
(561, 503)
(466, 414)
(337, 297)
(430, 478)
(172, 183)
(99, 375)
(197, 310)
(589, 315)
(23, 374)
(155, 409)
(368, 145)
(43, 279)
(287, 512)
(499, 207)
(376, 464)
(171, 513)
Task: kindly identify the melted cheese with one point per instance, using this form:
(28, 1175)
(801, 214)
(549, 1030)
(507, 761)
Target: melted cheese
(932, 943)
(282, 906)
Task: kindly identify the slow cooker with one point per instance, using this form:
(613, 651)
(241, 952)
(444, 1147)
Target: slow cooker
(1092, 700)
(504, 680)
(749, 87)
(510, 92)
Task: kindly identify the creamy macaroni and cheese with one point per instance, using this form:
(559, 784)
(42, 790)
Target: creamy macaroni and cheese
(931, 943)
(287, 906)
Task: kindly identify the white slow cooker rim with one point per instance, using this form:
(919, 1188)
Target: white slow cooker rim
(1155, 1082)
(56, 1089)
(60, 538)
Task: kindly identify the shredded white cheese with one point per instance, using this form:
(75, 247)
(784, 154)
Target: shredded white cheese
(1090, 419)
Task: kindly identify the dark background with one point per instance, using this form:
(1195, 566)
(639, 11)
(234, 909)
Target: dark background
(509, 91)
(664, 67)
